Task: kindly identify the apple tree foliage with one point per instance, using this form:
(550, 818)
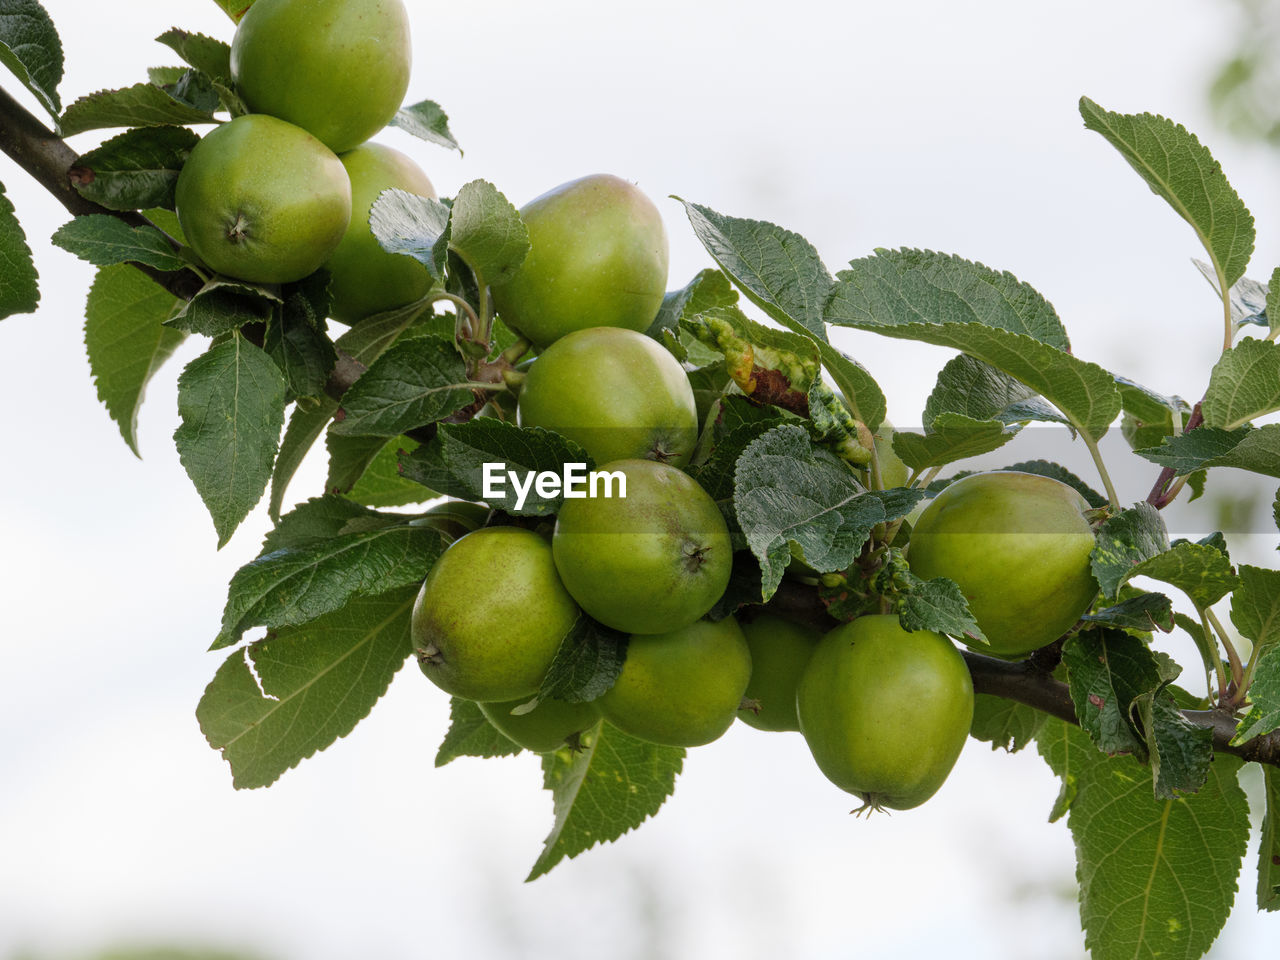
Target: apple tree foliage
(411, 403)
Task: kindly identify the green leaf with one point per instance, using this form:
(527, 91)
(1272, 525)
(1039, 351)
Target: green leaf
(471, 734)
(406, 223)
(29, 46)
(716, 474)
(195, 89)
(1145, 613)
(317, 520)
(142, 105)
(789, 491)
(317, 682)
(204, 53)
(1264, 698)
(426, 121)
(941, 606)
(1180, 751)
(487, 232)
(975, 389)
(19, 292)
(1248, 448)
(363, 343)
(708, 290)
(1157, 877)
(1273, 300)
(367, 470)
(609, 787)
(860, 390)
(1046, 468)
(778, 270)
(126, 341)
(1269, 848)
(297, 338)
(416, 382)
(1004, 724)
(103, 240)
(1179, 169)
(1124, 541)
(136, 169)
(943, 300)
(1255, 605)
(452, 463)
(223, 305)
(1247, 297)
(293, 586)
(1244, 385)
(1199, 570)
(954, 437)
(1107, 670)
(231, 401)
(586, 665)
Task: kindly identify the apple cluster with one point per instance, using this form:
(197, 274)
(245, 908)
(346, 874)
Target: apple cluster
(277, 193)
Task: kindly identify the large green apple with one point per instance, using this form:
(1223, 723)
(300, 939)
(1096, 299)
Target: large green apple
(617, 392)
(365, 279)
(780, 650)
(491, 614)
(653, 561)
(597, 258)
(548, 726)
(1018, 545)
(262, 200)
(681, 688)
(885, 711)
(338, 68)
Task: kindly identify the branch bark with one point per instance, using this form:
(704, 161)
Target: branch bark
(1030, 683)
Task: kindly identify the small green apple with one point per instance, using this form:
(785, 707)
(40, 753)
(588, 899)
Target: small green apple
(780, 650)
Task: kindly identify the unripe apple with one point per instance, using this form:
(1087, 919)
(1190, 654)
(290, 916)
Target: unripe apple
(617, 392)
(548, 726)
(597, 258)
(491, 614)
(262, 200)
(780, 650)
(338, 68)
(1018, 544)
(364, 278)
(681, 688)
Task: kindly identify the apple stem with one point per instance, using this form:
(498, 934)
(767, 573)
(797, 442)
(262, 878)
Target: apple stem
(1094, 452)
(1237, 668)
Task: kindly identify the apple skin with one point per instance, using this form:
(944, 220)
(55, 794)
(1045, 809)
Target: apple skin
(682, 688)
(364, 278)
(597, 258)
(262, 200)
(491, 615)
(337, 68)
(1018, 544)
(618, 393)
(544, 728)
(780, 650)
(652, 562)
(885, 712)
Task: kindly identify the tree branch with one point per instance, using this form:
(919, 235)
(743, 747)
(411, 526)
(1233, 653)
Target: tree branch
(49, 160)
(1029, 682)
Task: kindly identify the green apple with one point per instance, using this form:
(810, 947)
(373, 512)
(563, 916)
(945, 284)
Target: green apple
(653, 561)
(780, 650)
(885, 711)
(548, 726)
(262, 200)
(597, 258)
(491, 614)
(1018, 544)
(617, 392)
(681, 688)
(338, 68)
(364, 278)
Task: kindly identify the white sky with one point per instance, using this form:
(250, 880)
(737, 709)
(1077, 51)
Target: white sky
(943, 125)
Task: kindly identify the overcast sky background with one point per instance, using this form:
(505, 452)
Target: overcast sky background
(859, 125)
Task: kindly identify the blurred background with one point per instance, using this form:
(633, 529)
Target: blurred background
(859, 125)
